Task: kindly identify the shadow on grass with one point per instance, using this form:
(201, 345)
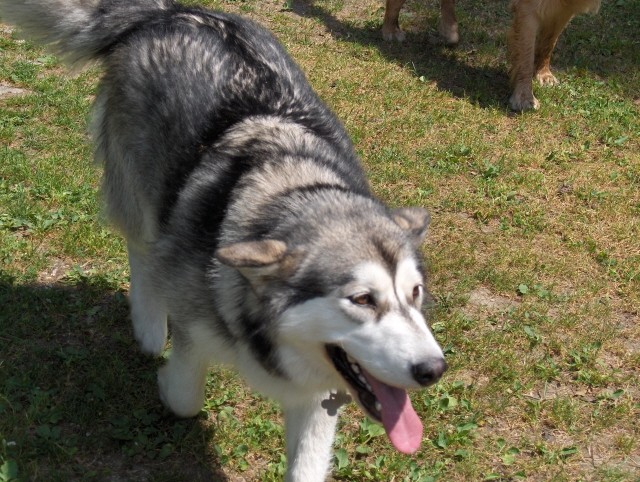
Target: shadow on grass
(424, 54)
(77, 399)
(606, 44)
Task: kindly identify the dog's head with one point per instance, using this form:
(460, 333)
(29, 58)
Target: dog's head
(349, 297)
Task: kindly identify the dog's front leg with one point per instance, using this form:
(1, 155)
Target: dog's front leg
(148, 314)
(521, 45)
(310, 428)
(181, 381)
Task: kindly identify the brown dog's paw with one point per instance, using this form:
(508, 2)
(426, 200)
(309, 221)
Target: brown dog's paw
(545, 77)
(449, 33)
(394, 33)
(522, 100)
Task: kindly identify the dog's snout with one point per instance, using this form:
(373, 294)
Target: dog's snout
(428, 372)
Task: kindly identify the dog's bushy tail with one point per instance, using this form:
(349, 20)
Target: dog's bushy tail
(78, 31)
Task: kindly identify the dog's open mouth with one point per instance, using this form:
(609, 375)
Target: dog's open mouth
(382, 402)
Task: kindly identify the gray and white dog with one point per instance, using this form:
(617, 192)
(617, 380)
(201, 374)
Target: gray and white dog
(249, 223)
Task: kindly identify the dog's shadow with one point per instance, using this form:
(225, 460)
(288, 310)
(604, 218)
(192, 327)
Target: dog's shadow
(423, 53)
(77, 395)
(485, 82)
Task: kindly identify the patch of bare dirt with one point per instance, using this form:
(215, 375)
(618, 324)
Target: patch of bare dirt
(9, 91)
(483, 300)
(472, 378)
(55, 272)
(603, 451)
(629, 325)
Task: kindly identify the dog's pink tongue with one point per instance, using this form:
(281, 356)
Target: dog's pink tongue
(400, 420)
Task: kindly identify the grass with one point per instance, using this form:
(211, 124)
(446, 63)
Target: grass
(533, 257)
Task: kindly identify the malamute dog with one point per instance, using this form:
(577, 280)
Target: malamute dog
(249, 223)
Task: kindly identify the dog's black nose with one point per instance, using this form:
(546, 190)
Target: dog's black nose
(428, 372)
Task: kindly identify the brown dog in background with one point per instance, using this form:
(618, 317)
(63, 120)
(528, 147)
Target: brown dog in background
(536, 26)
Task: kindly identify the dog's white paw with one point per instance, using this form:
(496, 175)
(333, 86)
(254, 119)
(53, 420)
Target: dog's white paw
(178, 393)
(391, 34)
(150, 330)
(152, 338)
(449, 33)
(545, 77)
(523, 99)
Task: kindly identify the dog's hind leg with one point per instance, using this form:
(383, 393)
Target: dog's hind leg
(390, 26)
(554, 21)
(309, 430)
(448, 26)
(148, 313)
(181, 381)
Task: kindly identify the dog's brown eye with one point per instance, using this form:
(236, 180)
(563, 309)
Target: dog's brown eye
(417, 291)
(364, 299)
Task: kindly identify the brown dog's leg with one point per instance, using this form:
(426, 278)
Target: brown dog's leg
(448, 24)
(554, 21)
(390, 26)
(537, 24)
(521, 41)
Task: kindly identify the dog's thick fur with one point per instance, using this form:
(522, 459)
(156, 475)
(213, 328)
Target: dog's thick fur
(536, 26)
(251, 230)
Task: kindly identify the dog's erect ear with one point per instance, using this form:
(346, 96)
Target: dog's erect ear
(259, 261)
(414, 221)
(252, 254)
